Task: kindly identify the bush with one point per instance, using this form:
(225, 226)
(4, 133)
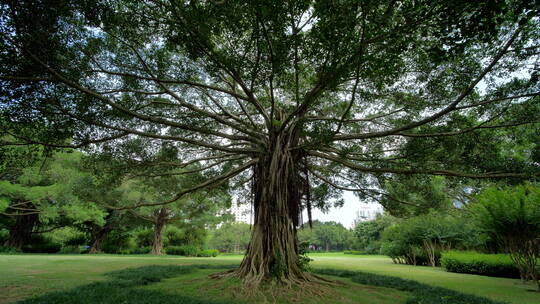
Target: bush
(119, 242)
(497, 265)
(356, 252)
(48, 247)
(144, 237)
(9, 250)
(208, 253)
(41, 244)
(67, 236)
(77, 240)
(140, 250)
(71, 249)
(4, 235)
(511, 215)
(186, 250)
(420, 240)
(174, 236)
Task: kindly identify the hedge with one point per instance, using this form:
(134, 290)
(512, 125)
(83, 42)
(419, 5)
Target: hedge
(208, 253)
(355, 252)
(186, 250)
(496, 265)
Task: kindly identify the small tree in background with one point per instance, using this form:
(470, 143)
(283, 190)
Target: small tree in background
(512, 216)
(420, 240)
(367, 235)
(50, 193)
(231, 237)
(327, 235)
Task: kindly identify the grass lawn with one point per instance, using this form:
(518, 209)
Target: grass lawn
(24, 276)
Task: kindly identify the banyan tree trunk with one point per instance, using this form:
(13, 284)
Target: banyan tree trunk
(98, 233)
(97, 240)
(159, 224)
(21, 231)
(272, 253)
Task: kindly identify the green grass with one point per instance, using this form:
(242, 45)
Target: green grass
(198, 283)
(24, 276)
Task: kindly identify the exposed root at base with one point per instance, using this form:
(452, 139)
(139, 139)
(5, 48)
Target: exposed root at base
(273, 290)
(308, 283)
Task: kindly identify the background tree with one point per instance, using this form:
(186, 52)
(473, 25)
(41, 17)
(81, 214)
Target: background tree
(47, 195)
(512, 217)
(230, 237)
(367, 235)
(303, 98)
(420, 240)
(201, 207)
(325, 235)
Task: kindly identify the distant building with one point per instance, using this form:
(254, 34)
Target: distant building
(368, 212)
(241, 212)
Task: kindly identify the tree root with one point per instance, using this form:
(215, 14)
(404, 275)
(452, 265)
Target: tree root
(306, 280)
(307, 286)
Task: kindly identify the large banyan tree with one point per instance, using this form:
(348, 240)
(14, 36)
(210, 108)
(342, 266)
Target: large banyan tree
(296, 100)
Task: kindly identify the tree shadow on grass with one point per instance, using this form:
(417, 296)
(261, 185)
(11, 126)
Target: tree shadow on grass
(123, 288)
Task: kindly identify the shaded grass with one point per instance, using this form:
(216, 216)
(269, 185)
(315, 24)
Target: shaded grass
(421, 293)
(499, 289)
(233, 290)
(27, 275)
(191, 285)
(122, 288)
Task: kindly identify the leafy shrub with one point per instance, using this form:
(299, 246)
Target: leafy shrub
(140, 250)
(367, 235)
(41, 244)
(119, 241)
(303, 258)
(48, 247)
(186, 250)
(497, 265)
(174, 236)
(76, 240)
(356, 252)
(208, 253)
(144, 237)
(230, 237)
(4, 234)
(70, 249)
(8, 250)
(511, 216)
(67, 236)
(420, 240)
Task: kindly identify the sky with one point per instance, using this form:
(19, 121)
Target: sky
(344, 215)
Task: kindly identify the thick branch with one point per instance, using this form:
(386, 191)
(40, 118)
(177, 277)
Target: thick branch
(451, 107)
(361, 168)
(210, 182)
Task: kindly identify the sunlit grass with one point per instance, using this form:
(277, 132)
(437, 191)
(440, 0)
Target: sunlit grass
(23, 276)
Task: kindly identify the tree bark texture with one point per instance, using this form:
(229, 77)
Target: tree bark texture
(21, 231)
(99, 233)
(278, 188)
(159, 224)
